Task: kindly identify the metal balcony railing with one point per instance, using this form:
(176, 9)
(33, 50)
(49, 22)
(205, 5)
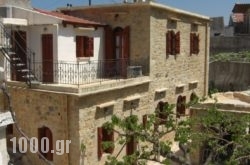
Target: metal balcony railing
(78, 73)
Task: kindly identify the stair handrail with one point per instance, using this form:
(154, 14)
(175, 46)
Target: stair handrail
(6, 43)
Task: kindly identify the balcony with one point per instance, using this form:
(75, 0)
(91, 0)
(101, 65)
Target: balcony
(83, 76)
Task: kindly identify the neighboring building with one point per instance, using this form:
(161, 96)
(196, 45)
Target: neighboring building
(217, 26)
(128, 57)
(240, 19)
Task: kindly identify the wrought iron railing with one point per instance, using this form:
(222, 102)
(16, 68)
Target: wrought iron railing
(77, 73)
(20, 62)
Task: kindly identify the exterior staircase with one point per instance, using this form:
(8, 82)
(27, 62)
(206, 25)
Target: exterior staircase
(20, 65)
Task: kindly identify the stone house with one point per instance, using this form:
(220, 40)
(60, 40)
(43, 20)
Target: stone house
(146, 54)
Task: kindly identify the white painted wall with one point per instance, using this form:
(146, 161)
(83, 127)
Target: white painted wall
(67, 43)
(33, 17)
(4, 157)
(64, 46)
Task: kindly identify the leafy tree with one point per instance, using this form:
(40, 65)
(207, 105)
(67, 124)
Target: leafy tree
(223, 137)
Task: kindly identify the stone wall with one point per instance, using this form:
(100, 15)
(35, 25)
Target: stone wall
(35, 109)
(169, 71)
(222, 44)
(229, 76)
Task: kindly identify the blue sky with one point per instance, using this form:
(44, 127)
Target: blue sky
(210, 8)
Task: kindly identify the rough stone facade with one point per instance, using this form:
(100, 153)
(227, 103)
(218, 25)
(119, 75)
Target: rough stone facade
(76, 116)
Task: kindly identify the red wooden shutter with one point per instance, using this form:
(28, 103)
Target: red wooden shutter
(183, 105)
(191, 43)
(198, 44)
(99, 142)
(173, 42)
(108, 136)
(144, 120)
(48, 134)
(109, 43)
(79, 46)
(91, 46)
(179, 106)
(126, 42)
(177, 43)
(131, 145)
(88, 46)
(168, 43)
(41, 134)
(109, 51)
(112, 139)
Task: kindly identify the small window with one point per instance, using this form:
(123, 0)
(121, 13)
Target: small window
(45, 132)
(84, 46)
(172, 43)
(194, 27)
(104, 135)
(194, 43)
(161, 112)
(181, 106)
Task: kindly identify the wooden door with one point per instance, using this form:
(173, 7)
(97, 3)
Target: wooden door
(19, 46)
(47, 57)
(109, 60)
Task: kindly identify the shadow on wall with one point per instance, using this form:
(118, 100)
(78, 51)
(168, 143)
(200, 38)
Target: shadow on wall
(229, 76)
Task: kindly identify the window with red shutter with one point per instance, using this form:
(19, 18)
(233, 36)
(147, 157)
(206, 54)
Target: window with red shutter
(172, 43)
(84, 46)
(194, 43)
(104, 135)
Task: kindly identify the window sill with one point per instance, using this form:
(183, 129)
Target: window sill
(80, 59)
(106, 105)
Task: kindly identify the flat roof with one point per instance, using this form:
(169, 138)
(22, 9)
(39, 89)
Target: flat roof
(138, 4)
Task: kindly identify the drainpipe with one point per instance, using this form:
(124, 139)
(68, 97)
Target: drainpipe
(206, 75)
